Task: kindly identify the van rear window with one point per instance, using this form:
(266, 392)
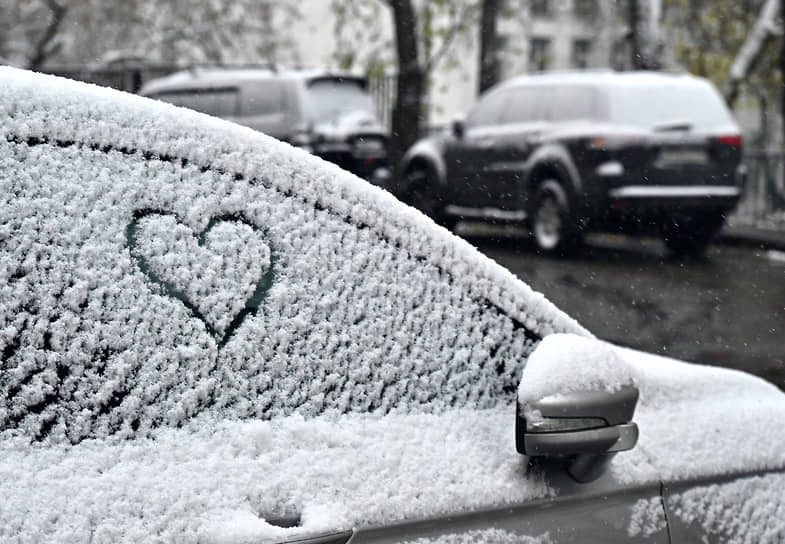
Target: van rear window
(326, 99)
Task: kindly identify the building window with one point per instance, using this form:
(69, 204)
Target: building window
(539, 54)
(580, 53)
(585, 9)
(541, 8)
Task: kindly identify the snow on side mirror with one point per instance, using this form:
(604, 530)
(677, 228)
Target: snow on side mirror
(575, 405)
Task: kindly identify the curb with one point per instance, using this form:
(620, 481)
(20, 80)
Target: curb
(752, 237)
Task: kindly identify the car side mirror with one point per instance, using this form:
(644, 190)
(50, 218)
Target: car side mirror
(458, 127)
(581, 425)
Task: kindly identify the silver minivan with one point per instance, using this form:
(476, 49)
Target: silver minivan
(328, 113)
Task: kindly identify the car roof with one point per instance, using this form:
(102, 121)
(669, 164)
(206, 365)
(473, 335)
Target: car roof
(217, 77)
(601, 78)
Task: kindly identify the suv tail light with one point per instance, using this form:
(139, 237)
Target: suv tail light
(730, 139)
(615, 142)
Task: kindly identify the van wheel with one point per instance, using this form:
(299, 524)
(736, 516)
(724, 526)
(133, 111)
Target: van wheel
(422, 193)
(689, 236)
(552, 226)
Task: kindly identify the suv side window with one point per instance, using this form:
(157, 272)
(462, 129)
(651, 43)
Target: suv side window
(263, 98)
(574, 102)
(219, 102)
(488, 110)
(526, 104)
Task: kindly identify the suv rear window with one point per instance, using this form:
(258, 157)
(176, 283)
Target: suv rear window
(651, 104)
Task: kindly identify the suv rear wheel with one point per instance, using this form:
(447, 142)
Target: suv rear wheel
(552, 226)
(421, 192)
(690, 235)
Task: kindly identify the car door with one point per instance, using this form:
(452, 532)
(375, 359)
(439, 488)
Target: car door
(470, 157)
(603, 512)
(524, 125)
(208, 335)
(740, 508)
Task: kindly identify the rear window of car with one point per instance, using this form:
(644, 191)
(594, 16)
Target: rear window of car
(655, 104)
(327, 98)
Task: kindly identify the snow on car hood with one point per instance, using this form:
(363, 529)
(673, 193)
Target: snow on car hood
(366, 375)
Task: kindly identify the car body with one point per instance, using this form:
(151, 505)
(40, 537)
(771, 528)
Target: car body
(635, 152)
(208, 335)
(327, 113)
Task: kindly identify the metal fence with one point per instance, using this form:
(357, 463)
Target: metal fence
(764, 193)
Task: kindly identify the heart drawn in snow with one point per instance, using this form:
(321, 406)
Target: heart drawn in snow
(221, 274)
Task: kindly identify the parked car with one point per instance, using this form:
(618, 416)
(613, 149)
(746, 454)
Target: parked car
(208, 335)
(568, 153)
(328, 113)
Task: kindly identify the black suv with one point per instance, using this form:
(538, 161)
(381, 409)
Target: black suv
(328, 113)
(634, 152)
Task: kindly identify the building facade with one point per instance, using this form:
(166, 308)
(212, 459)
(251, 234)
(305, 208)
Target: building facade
(534, 35)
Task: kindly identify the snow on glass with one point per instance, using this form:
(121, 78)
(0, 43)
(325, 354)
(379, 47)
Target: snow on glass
(154, 271)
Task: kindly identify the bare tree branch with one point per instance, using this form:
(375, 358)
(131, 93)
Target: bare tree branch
(458, 20)
(765, 27)
(44, 48)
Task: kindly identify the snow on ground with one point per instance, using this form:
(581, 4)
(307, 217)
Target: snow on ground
(776, 256)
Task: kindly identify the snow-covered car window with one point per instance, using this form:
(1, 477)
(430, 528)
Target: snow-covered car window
(154, 270)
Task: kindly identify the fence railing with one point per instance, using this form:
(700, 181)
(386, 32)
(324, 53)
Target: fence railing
(764, 194)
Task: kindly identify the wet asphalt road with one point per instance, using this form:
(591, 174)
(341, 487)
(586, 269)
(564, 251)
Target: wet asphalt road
(727, 309)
